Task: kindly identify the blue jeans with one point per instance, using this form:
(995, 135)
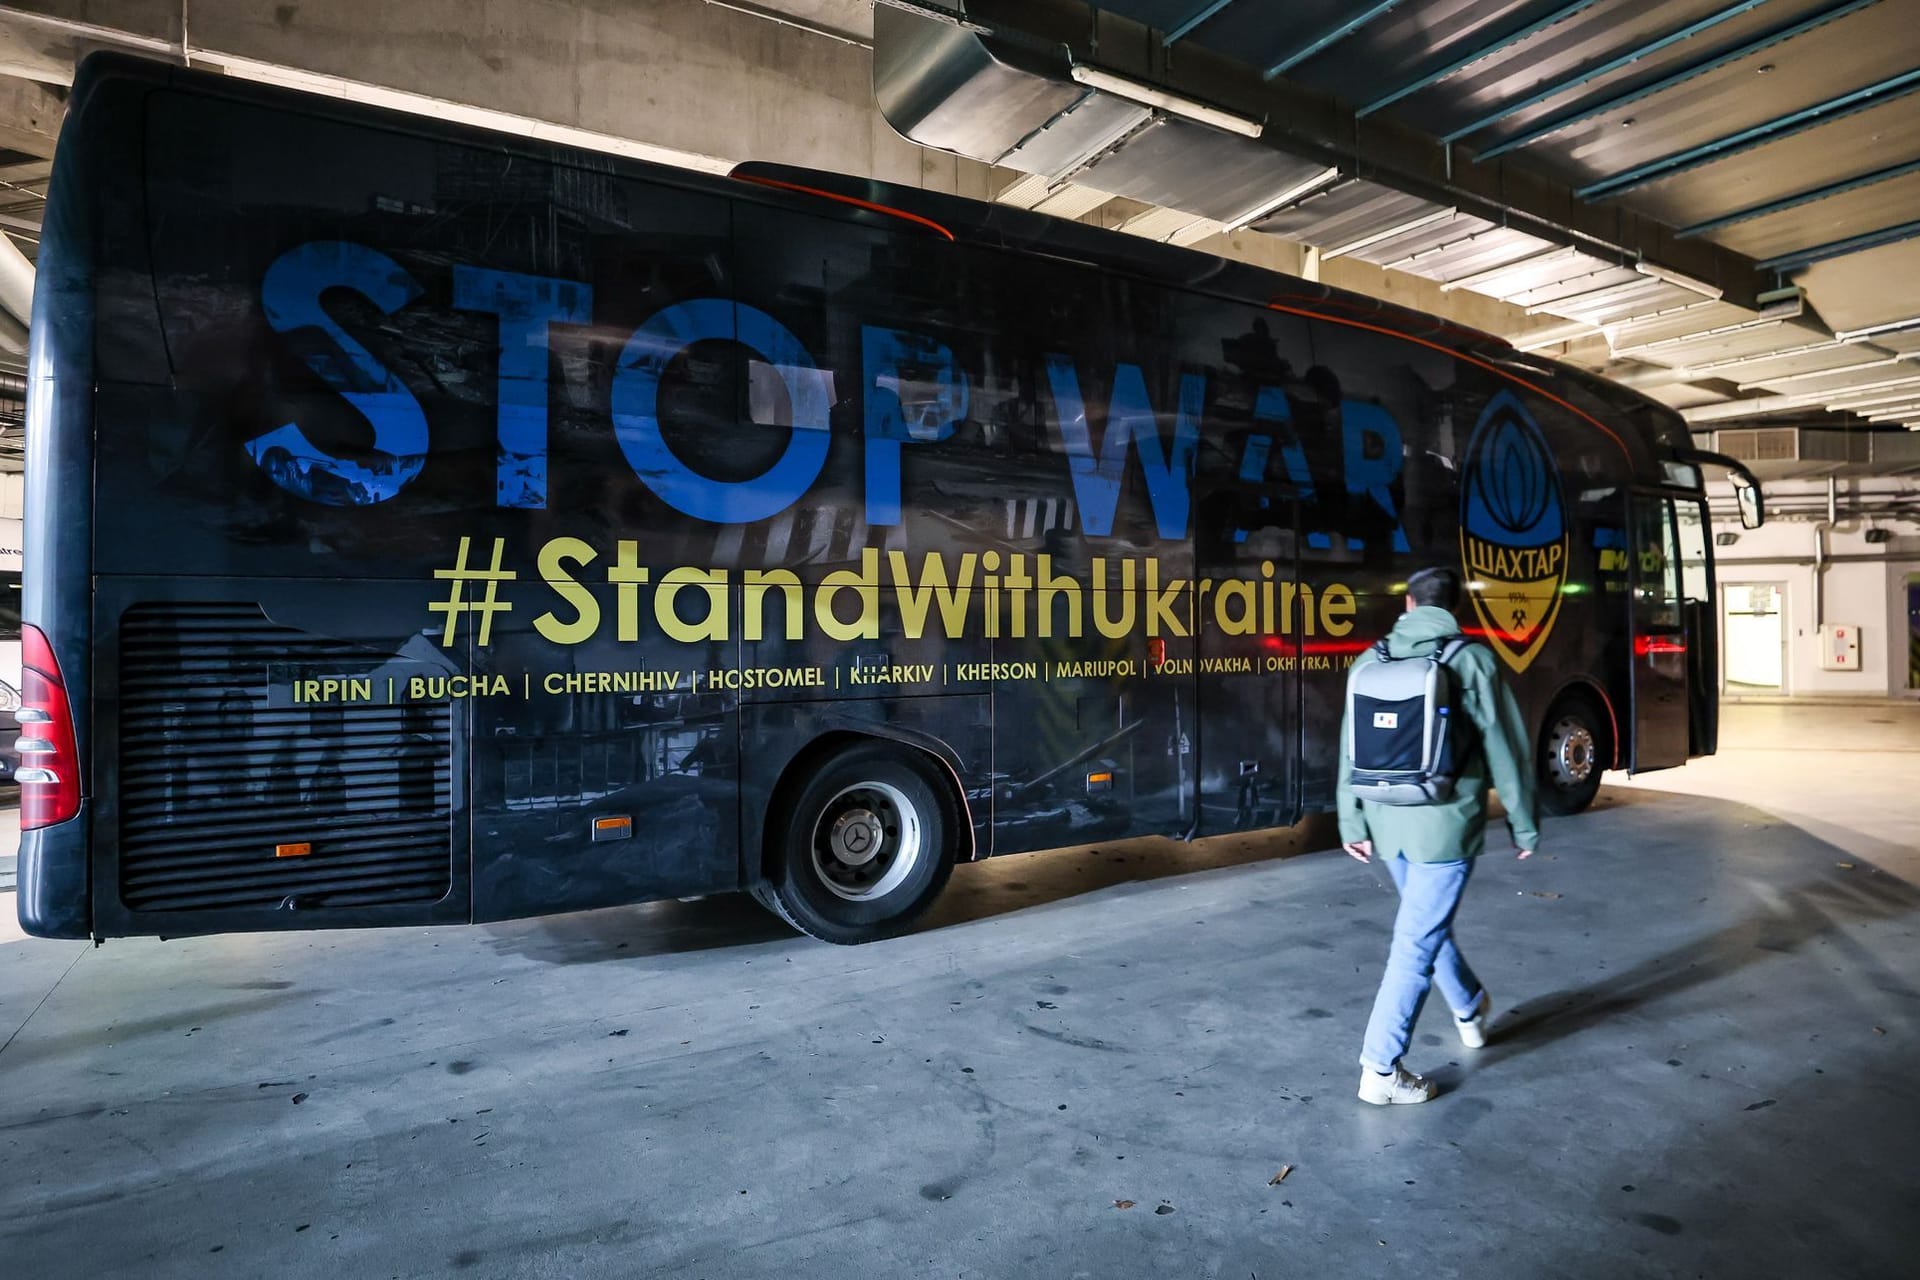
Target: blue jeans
(1423, 955)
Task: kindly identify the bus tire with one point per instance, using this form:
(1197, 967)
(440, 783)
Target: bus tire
(1573, 748)
(864, 846)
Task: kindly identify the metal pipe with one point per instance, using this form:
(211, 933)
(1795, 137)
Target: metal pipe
(1193, 23)
(1787, 126)
(1795, 201)
(1820, 554)
(1339, 33)
(1479, 54)
(1795, 562)
(1558, 87)
(1841, 248)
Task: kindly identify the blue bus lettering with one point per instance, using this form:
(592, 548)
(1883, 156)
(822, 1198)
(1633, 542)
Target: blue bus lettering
(913, 388)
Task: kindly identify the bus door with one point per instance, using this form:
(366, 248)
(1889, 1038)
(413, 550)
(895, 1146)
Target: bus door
(1659, 654)
(1703, 633)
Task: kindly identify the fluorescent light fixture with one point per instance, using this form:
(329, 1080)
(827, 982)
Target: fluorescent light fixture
(1891, 326)
(1150, 96)
(1689, 373)
(1163, 224)
(1822, 373)
(1694, 283)
(1478, 278)
(1666, 343)
(1572, 331)
(1387, 233)
(1661, 314)
(1297, 191)
(1890, 391)
(1864, 392)
(1586, 299)
(1194, 232)
(1071, 201)
(1519, 299)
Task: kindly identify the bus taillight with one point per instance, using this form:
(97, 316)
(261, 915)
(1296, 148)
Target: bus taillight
(49, 773)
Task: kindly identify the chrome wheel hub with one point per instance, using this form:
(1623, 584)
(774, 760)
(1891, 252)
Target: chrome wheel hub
(867, 841)
(857, 837)
(1570, 753)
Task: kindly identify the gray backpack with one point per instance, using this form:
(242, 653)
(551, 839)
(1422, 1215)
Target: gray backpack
(1408, 731)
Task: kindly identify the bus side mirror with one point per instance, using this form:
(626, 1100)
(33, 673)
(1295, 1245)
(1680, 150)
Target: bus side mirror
(1746, 489)
(1753, 507)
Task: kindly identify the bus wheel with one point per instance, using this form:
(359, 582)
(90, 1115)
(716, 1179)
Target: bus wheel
(1573, 749)
(865, 846)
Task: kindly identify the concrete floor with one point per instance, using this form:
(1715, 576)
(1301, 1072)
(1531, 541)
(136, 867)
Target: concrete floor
(1708, 1021)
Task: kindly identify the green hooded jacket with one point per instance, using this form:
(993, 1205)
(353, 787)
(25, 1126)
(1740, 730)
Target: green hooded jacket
(1457, 829)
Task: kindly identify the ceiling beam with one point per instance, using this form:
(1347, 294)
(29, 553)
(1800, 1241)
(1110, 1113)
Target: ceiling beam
(1796, 201)
(1611, 65)
(1194, 21)
(1757, 135)
(1689, 72)
(1841, 248)
(33, 173)
(1380, 8)
(1479, 54)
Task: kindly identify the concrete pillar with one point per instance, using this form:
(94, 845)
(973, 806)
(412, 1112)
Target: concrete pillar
(30, 116)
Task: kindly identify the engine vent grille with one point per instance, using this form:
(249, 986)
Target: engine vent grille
(212, 778)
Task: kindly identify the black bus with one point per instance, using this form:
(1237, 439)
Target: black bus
(429, 526)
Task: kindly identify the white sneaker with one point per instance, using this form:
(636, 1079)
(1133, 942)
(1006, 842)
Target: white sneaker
(1473, 1027)
(1401, 1086)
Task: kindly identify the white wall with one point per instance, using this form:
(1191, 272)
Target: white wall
(1864, 583)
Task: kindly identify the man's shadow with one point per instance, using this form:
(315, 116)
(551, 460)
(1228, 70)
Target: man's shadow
(1801, 913)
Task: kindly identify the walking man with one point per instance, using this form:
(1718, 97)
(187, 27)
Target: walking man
(1430, 848)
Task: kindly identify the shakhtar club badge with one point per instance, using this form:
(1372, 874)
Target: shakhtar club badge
(1513, 530)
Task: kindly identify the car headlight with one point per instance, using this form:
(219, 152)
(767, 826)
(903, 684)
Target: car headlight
(9, 698)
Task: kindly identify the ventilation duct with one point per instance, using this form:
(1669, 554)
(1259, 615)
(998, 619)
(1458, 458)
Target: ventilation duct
(1017, 106)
